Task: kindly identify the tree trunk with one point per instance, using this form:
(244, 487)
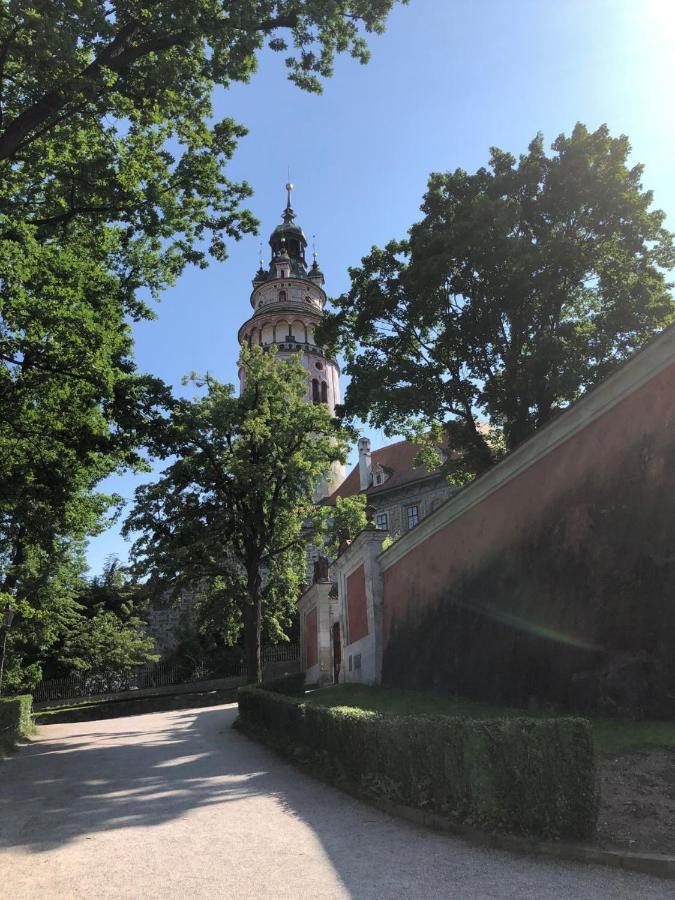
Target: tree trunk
(252, 628)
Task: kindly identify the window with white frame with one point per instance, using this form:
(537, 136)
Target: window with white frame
(412, 515)
(382, 521)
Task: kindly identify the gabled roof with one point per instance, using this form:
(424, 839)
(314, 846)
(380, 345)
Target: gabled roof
(396, 459)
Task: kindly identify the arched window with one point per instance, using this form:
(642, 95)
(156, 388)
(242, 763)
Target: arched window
(282, 296)
(315, 391)
(324, 392)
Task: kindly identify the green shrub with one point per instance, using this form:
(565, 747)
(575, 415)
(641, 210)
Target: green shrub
(278, 714)
(527, 776)
(15, 719)
(294, 685)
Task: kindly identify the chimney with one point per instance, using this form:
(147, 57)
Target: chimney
(365, 476)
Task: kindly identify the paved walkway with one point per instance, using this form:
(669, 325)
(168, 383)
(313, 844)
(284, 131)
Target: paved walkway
(177, 805)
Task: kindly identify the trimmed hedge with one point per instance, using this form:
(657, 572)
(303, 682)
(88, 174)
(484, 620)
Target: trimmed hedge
(15, 719)
(294, 685)
(526, 776)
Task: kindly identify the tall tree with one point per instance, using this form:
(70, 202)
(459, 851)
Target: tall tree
(112, 180)
(232, 510)
(524, 284)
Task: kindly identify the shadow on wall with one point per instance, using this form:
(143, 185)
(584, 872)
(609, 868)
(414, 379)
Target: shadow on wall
(578, 615)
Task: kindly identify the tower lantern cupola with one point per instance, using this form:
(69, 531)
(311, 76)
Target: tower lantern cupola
(288, 239)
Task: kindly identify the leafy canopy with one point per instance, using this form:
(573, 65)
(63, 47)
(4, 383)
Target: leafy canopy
(522, 286)
(112, 179)
(231, 514)
(342, 522)
(107, 646)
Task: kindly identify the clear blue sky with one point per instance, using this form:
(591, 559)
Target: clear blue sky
(448, 80)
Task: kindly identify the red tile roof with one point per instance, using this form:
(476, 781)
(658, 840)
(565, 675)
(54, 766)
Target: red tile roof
(396, 459)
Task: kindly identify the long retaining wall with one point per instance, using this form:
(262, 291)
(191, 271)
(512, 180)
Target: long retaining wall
(551, 578)
(190, 687)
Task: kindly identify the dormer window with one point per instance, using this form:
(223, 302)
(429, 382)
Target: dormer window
(380, 474)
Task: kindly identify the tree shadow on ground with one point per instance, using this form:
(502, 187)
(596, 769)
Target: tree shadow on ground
(87, 778)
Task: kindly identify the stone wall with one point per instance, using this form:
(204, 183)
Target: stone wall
(164, 623)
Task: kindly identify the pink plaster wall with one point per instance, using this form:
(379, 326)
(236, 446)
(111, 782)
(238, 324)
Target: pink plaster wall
(598, 456)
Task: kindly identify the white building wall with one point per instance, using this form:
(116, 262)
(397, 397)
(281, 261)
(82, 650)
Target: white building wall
(318, 597)
(366, 652)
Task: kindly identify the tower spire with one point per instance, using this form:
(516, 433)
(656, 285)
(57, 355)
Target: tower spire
(288, 214)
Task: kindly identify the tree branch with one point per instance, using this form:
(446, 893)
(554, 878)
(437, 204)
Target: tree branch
(117, 56)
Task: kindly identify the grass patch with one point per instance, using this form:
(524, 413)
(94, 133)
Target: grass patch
(391, 701)
(609, 735)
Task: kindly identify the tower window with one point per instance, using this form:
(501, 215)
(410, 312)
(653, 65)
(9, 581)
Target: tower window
(324, 392)
(282, 296)
(315, 391)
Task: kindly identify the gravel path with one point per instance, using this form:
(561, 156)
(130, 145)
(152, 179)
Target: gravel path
(178, 805)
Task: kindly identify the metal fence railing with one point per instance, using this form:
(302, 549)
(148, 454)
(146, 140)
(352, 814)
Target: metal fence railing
(160, 674)
(281, 653)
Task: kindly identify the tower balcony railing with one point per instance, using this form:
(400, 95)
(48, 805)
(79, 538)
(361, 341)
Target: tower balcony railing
(295, 346)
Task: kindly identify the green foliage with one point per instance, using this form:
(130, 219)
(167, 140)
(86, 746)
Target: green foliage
(106, 645)
(16, 721)
(524, 284)
(113, 180)
(528, 776)
(290, 685)
(232, 510)
(112, 591)
(67, 625)
(344, 520)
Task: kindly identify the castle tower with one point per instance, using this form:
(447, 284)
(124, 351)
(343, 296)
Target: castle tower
(288, 301)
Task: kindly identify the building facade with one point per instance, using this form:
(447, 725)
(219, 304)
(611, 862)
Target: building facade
(340, 615)
(400, 492)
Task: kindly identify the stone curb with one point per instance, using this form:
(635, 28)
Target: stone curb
(657, 865)
(654, 864)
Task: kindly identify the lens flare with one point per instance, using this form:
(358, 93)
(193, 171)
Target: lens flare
(542, 631)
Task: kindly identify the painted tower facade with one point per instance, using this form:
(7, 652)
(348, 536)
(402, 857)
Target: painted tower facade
(288, 300)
